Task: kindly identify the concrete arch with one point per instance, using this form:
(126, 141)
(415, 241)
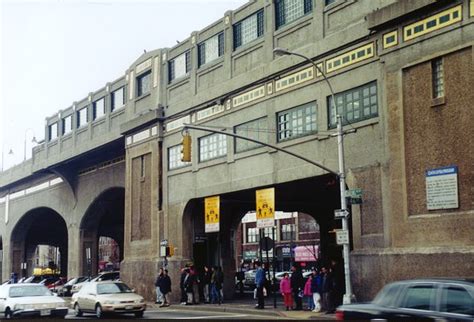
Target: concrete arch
(38, 226)
(103, 218)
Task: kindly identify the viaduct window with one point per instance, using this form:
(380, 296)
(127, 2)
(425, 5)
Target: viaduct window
(287, 11)
(437, 77)
(82, 117)
(174, 157)
(98, 109)
(67, 125)
(211, 49)
(118, 99)
(354, 105)
(212, 146)
(256, 129)
(296, 122)
(53, 131)
(179, 66)
(328, 2)
(143, 83)
(248, 29)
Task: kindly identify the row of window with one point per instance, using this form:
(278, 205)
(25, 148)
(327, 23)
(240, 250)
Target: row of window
(117, 100)
(353, 105)
(244, 31)
(287, 232)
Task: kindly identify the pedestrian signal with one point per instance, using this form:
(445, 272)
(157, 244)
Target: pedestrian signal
(186, 149)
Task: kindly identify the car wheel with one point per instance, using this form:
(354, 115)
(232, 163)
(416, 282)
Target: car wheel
(8, 313)
(98, 311)
(77, 310)
(139, 314)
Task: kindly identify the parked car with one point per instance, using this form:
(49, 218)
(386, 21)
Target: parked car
(104, 276)
(65, 290)
(28, 300)
(279, 275)
(107, 297)
(427, 299)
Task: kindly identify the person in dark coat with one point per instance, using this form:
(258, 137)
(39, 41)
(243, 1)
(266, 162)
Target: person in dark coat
(297, 284)
(165, 288)
(217, 279)
(188, 286)
(205, 282)
(184, 296)
(159, 295)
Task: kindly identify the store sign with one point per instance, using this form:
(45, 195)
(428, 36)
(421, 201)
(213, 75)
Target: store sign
(250, 254)
(442, 188)
(211, 214)
(307, 253)
(265, 208)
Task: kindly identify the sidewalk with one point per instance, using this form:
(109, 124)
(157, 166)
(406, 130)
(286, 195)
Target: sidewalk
(248, 307)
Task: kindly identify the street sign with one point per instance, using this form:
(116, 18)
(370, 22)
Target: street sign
(266, 243)
(212, 214)
(342, 237)
(354, 196)
(265, 207)
(339, 213)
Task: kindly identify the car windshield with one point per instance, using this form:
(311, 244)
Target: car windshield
(29, 290)
(113, 288)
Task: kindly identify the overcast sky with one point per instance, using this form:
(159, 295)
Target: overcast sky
(54, 52)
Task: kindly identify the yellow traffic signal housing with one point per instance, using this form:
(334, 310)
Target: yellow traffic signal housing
(186, 151)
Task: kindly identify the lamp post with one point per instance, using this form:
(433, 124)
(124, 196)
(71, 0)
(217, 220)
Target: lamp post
(3, 156)
(342, 176)
(33, 140)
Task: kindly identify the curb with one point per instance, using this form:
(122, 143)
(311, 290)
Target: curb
(248, 310)
(219, 308)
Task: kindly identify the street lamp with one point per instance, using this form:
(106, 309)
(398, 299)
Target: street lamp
(33, 140)
(3, 156)
(342, 176)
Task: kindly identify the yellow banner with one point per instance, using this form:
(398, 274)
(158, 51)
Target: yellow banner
(266, 206)
(211, 214)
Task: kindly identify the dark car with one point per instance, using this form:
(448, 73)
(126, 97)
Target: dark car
(423, 299)
(66, 289)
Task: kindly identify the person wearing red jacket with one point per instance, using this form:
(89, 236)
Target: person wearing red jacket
(285, 290)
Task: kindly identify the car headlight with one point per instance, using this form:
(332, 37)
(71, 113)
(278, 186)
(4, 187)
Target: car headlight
(140, 301)
(23, 306)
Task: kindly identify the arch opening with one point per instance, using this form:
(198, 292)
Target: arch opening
(307, 204)
(102, 232)
(39, 240)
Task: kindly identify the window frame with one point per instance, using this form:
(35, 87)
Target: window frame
(217, 156)
(295, 110)
(64, 130)
(343, 95)
(281, 18)
(112, 99)
(438, 78)
(180, 164)
(253, 145)
(52, 137)
(79, 124)
(201, 49)
(171, 66)
(237, 29)
(139, 80)
(94, 109)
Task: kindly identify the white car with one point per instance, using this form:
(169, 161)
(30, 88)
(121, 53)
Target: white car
(107, 297)
(29, 300)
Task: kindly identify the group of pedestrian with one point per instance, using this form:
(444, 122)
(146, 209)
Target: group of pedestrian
(195, 288)
(322, 289)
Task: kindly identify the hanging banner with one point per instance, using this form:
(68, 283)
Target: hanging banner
(265, 207)
(211, 214)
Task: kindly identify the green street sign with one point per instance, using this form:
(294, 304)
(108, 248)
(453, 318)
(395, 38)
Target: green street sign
(354, 193)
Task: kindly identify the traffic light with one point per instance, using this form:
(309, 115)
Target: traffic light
(186, 150)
